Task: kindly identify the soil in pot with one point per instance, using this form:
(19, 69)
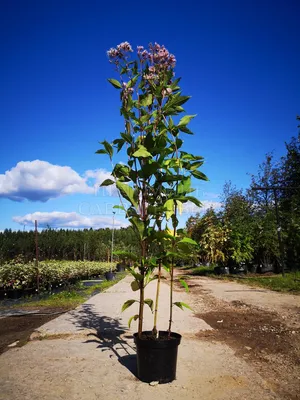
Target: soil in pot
(157, 358)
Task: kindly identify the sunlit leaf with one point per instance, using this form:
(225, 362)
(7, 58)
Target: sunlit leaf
(150, 303)
(115, 83)
(134, 318)
(127, 304)
(180, 304)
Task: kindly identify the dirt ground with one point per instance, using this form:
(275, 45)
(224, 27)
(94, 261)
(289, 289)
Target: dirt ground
(19, 328)
(268, 340)
(241, 343)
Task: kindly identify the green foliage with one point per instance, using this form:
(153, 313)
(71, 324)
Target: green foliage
(17, 275)
(289, 283)
(246, 229)
(63, 244)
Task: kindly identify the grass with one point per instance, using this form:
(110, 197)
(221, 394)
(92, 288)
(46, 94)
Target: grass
(71, 298)
(202, 271)
(289, 283)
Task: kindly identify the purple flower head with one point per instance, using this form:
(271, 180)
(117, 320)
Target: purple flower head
(124, 47)
(112, 53)
(161, 58)
(126, 91)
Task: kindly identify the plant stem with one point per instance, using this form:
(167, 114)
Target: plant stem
(141, 308)
(171, 298)
(172, 267)
(154, 331)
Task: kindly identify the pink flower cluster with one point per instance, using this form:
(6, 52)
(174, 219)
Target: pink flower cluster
(158, 56)
(126, 91)
(119, 52)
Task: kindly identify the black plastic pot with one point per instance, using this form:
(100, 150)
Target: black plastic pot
(267, 267)
(121, 267)
(157, 358)
(109, 276)
(14, 294)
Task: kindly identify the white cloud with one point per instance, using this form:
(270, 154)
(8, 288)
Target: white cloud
(73, 220)
(98, 176)
(40, 181)
(191, 208)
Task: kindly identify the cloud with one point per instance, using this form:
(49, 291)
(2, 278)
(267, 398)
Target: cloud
(73, 220)
(98, 176)
(40, 181)
(191, 208)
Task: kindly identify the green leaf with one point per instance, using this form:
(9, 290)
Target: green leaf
(146, 100)
(108, 147)
(145, 118)
(176, 100)
(194, 200)
(135, 317)
(107, 182)
(142, 152)
(169, 207)
(199, 175)
(195, 165)
(149, 169)
(101, 151)
(127, 192)
(135, 286)
(121, 170)
(139, 225)
(185, 129)
(137, 276)
(166, 268)
(191, 157)
(186, 119)
(119, 143)
(132, 81)
(189, 241)
(120, 207)
(149, 302)
(127, 304)
(180, 304)
(184, 284)
(115, 83)
(127, 137)
(184, 186)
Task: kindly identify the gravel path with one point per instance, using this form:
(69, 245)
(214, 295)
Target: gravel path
(89, 353)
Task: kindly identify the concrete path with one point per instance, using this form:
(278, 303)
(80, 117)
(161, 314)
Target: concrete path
(89, 354)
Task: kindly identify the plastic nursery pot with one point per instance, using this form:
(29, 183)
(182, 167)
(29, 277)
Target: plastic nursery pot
(157, 358)
(14, 294)
(121, 267)
(109, 276)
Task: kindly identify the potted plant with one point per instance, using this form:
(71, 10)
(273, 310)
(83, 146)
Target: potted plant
(153, 186)
(125, 257)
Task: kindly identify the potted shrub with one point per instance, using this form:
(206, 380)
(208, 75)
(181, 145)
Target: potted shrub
(153, 186)
(125, 257)
(109, 275)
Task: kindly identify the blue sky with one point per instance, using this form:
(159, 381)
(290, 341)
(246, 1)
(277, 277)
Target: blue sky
(239, 60)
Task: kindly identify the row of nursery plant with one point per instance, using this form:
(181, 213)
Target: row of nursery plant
(17, 275)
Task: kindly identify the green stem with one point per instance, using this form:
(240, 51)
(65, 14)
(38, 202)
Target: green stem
(154, 331)
(141, 308)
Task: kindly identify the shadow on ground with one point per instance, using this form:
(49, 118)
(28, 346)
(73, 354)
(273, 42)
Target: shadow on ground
(110, 335)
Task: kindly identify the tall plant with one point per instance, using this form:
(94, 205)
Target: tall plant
(156, 180)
